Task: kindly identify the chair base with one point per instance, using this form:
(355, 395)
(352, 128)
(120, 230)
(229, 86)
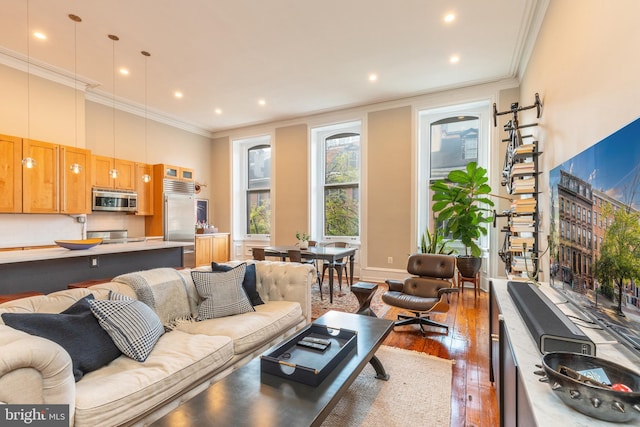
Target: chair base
(422, 321)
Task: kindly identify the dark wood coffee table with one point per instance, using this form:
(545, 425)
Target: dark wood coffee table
(249, 398)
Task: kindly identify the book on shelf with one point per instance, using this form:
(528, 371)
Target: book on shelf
(522, 220)
(523, 185)
(518, 242)
(522, 229)
(523, 168)
(527, 205)
(525, 149)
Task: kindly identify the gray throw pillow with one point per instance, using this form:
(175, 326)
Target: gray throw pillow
(132, 325)
(221, 292)
(76, 330)
(248, 283)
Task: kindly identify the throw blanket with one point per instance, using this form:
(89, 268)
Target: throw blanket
(162, 289)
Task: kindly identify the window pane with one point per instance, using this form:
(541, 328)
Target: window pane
(454, 143)
(341, 210)
(259, 167)
(342, 159)
(258, 212)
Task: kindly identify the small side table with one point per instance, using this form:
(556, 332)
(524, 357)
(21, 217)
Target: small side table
(474, 280)
(364, 292)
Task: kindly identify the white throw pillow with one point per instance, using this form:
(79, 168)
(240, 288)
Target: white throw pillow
(222, 293)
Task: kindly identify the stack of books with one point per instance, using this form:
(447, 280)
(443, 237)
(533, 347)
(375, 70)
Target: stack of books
(522, 224)
(525, 149)
(516, 243)
(527, 205)
(523, 185)
(524, 168)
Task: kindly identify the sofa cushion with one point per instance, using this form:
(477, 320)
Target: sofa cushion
(76, 330)
(162, 289)
(124, 389)
(222, 293)
(248, 283)
(251, 330)
(132, 325)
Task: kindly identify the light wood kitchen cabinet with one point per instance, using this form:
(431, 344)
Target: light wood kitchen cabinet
(75, 188)
(177, 172)
(144, 189)
(211, 247)
(220, 247)
(126, 173)
(203, 248)
(40, 183)
(10, 174)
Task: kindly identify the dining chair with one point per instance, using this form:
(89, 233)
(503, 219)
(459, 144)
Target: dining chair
(258, 254)
(340, 265)
(296, 256)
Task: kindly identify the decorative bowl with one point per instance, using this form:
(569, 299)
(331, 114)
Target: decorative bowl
(78, 244)
(592, 400)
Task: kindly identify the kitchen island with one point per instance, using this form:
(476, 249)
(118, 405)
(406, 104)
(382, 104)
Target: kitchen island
(52, 269)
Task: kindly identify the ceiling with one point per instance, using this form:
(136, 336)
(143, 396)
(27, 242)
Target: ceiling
(300, 57)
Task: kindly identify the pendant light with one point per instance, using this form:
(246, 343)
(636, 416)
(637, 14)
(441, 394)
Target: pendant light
(28, 162)
(146, 177)
(113, 173)
(75, 167)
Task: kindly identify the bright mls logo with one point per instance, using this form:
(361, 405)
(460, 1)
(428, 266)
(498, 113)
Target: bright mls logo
(34, 415)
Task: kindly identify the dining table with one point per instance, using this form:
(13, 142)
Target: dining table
(331, 254)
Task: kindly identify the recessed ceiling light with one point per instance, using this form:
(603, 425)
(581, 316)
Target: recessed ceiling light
(454, 59)
(217, 111)
(124, 71)
(178, 94)
(262, 102)
(39, 35)
(373, 77)
(449, 17)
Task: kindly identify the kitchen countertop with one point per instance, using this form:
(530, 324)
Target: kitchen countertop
(548, 409)
(9, 257)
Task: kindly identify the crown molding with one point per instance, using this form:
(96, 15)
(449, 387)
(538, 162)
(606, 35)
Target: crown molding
(46, 71)
(61, 76)
(107, 99)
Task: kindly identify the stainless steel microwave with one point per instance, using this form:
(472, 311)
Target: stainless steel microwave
(114, 200)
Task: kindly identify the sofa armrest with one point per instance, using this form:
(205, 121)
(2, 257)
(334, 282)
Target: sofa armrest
(34, 370)
(286, 281)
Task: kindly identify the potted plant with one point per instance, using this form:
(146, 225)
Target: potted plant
(303, 240)
(434, 243)
(458, 205)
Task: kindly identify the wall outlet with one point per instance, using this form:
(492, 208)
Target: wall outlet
(390, 260)
(94, 262)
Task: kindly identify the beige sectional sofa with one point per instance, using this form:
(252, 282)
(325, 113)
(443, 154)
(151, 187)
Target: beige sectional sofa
(183, 362)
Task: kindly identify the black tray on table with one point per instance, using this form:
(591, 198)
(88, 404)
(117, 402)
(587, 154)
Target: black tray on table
(306, 365)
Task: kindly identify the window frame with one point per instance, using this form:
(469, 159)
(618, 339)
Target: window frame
(241, 147)
(319, 134)
(425, 118)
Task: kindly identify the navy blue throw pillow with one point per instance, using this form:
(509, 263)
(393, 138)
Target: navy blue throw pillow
(76, 330)
(249, 282)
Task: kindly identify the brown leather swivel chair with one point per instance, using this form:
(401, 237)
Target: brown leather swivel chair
(425, 292)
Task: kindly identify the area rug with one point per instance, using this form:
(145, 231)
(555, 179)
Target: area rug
(344, 300)
(418, 392)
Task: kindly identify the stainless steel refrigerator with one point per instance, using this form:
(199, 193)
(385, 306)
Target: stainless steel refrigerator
(179, 216)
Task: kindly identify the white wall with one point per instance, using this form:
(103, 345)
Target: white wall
(50, 117)
(586, 68)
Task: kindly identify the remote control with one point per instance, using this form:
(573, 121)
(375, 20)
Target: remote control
(312, 345)
(317, 340)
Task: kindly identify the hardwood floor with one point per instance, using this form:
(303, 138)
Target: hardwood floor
(473, 398)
